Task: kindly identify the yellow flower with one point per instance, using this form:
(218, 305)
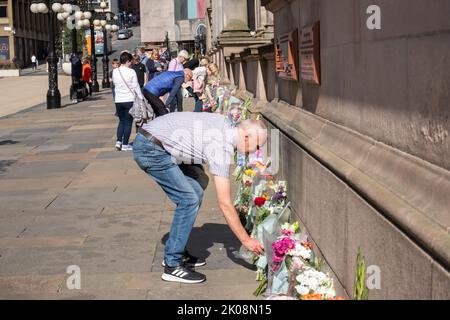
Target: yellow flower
(250, 172)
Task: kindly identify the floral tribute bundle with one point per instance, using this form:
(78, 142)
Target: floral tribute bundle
(289, 268)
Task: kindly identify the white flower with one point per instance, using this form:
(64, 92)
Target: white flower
(300, 251)
(313, 281)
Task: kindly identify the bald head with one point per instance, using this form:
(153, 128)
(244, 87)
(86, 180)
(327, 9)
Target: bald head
(252, 134)
(187, 75)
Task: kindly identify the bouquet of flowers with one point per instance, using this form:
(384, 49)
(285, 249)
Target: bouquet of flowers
(313, 283)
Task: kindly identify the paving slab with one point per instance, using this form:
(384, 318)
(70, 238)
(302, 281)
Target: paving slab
(49, 148)
(20, 200)
(43, 168)
(68, 198)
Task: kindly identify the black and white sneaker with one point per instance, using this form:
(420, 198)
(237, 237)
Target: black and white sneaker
(190, 261)
(183, 275)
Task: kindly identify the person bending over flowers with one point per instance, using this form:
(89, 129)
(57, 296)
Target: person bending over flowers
(195, 138)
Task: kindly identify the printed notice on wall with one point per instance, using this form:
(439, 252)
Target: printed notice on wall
(286, 56)
(310, 53)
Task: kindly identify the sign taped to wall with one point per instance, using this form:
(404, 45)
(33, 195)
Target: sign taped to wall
(310, 53)
(286, 57)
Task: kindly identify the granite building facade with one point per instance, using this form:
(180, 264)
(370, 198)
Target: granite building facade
(364, 126)
(180, 19)
(22, 33)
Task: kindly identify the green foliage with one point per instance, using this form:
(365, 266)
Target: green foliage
(261, 288)
(7, 65)
(361, 291)
(65, 37)
(261, 215)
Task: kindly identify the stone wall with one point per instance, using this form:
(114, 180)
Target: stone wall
(366, 153)
(389, 84)
(156, 19)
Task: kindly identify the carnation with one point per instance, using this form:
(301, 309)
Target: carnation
(300, 251)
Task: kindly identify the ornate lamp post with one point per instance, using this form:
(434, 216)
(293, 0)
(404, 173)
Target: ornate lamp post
(90, 14)
(104, 23)
(51, 8)
(87, 17)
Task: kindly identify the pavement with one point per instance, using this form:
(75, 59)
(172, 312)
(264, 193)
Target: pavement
(68, 199)
(19, 93)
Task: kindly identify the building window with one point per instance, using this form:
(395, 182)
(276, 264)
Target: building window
(189, 9)
(3, 9)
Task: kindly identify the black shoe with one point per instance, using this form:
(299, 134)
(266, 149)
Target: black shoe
(190, 261)
(183, 275)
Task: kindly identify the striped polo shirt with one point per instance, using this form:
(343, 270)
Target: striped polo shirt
(199, 138)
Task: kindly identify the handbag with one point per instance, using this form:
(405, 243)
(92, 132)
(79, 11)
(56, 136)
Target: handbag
(141, 111)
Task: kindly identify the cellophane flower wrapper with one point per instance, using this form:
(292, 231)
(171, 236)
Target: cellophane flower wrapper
(275, 279)
(245, 255)
(279, 281)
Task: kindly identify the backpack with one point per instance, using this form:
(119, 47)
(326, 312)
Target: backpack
(142, 112)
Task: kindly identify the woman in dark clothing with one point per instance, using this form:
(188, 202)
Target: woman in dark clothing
(153, 65)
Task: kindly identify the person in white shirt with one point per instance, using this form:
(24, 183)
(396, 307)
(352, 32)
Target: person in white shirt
(34, 62)
(177, 65)
(126, 88)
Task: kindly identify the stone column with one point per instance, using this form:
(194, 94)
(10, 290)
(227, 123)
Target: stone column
(238, 60)
(231, 70)
(222, 66)
(260, 93)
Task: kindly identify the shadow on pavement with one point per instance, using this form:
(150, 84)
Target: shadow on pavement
(8, 142)
(204, 237)
(4, 164)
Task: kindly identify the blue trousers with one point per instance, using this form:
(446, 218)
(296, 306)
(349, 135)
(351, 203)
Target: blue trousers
(184, 191)
(125, 122)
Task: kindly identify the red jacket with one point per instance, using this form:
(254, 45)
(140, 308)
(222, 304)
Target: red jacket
(87, 71)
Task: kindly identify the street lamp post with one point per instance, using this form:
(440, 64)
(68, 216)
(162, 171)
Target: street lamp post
(105, 60)
(91, 14)
(74, 54)
(53, 94)
(107, 17)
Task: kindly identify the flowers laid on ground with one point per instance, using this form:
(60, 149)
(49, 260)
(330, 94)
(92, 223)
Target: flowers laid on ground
(311, 281)
(289, 268)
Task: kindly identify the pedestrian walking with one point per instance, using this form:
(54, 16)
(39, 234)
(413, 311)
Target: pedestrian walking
(140, 70)
(77, 74)
(177, 65)
(87, 75)
(178, 137)
(34, 62)
(167, 82)
(115, 64)
(126, 87)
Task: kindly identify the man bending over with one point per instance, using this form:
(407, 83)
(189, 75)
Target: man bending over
(195, 138)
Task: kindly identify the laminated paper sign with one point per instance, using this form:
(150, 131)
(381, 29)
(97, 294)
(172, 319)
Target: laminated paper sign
(310, 53)
(286, 58)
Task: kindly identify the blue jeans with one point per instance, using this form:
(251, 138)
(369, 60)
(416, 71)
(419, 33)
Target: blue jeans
(198, 104)
(184, 191)
(179, 102)
(125, 122)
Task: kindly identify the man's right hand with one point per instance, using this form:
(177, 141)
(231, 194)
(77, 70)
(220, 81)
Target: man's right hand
(254, 246)
(223, 188)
